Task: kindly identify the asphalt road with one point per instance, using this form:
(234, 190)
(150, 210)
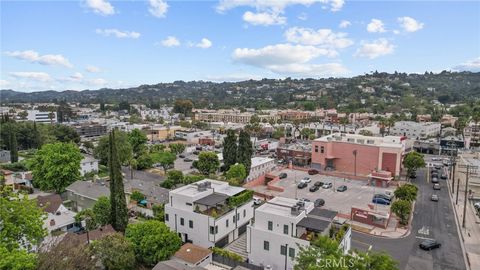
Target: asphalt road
(431, 220)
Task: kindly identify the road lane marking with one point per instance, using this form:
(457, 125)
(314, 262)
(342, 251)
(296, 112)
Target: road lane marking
(424, 238)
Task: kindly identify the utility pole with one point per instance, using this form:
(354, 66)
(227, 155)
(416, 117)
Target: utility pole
(355, 162)
(469, 170)
(453, 162)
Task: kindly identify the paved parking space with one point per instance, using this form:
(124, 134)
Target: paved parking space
(357, 194)
(184, 166)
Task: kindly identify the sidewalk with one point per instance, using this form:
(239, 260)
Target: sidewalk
(470, 235)
(392, 230)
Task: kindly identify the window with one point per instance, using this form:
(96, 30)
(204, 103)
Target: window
(322, 149)
(189, 204)
(166, 217)
(285, 229)
(226, 223)
(234, 218)
(291, 252)
(266, 245)
(270, 226)
(213, 230)
(190, 224)
(182, 221)
(238, 216)
(283, 250)
(316, 148)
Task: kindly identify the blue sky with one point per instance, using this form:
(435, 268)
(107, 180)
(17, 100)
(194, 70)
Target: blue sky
(92, 44)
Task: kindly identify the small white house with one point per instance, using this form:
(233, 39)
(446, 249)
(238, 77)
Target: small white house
(59, 218)
(88, 164)
(260, 166)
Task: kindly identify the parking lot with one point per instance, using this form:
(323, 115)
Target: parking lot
(184, 166)
(358, 193)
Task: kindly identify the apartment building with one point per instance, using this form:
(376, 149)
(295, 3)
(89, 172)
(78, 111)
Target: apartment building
(41, 117)
(232, 116)
(260, 166)
(90, 130)
(416, 131)
(209, 213)
(472, 135)
(357, 154)
(282, 226)
(448, 120)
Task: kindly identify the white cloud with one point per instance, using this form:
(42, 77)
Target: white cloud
(375, 49)
(97, 82)
(170, 41)
(158, 8)
(46, 59)
(102, 7)
(36, 76)
(323, 37)
(311, 70)
(410, 24)
(470, 65)
(117, 33)
(275, 5)
(344, 24)
(235, 77)
(205, 43)
(303, 16)
(263, 18)
(93, 69)
(77, 76)
(4, 83)
(376, 26)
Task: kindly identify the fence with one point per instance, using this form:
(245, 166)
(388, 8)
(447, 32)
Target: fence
(232, 263)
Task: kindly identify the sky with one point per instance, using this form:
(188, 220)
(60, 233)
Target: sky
(92, 44)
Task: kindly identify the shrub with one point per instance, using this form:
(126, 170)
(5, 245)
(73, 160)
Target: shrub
(227, 254)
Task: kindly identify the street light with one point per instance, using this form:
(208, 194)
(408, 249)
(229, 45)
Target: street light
(355, 162)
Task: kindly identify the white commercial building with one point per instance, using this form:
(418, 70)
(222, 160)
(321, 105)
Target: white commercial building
(192, 136)
(88, 165)
(282, 226)
(42, 117)
(260, 166)
(414, 130)
(209, 213)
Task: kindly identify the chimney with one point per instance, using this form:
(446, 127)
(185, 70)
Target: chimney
(52, 222)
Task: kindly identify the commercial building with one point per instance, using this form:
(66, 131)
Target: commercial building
(42, 117)
(90, 130)
(416, 131)
(209, 213)
(358, 155)
(194, 136)
(299, 154)
(282, 226)
(161, 133)
(260, 166)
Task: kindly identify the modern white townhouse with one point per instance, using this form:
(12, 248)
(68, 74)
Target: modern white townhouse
(283, 225)
(209, 213)
(415, 130)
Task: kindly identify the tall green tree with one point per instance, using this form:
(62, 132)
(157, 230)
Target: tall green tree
(36, 142)
(152, 241)
(118, 204)
(166, 159)
(138, 141)
(207, 163)
(183, 106)
(124, 149)
(230, 149)
(115, 252)
(402, 208)
(102, 210)
(245, 150)
(56, 166)
(236, 174)
(412, 162)
(13, 147)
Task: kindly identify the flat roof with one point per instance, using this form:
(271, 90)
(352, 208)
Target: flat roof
(212, 199)
(314, 224)
(324, 213)
(280, 206)
(260, 160)
(221, 187)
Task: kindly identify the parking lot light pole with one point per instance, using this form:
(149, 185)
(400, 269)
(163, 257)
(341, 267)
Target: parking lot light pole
(355, 162)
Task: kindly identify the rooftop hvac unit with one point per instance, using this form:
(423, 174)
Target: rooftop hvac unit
(301, 204)
(207, 184)
(201, 187)
(295, 210)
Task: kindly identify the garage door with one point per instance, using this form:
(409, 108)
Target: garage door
(242, 229)
(222, 242)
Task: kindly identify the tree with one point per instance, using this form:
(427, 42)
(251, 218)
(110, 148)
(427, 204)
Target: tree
(208, 163)
(102, 210)
(152, 241)
(176, 148)
(124, 149)
(56, 166)
(69, 254)
(166, 159)
(118, 204)
(159, 212)
(230, 149)
(406, 192)
(137, 140)
(65, 134)
(89, 217)
(245, 150)
(115, 252)
(175, 176)
(183, 106)
(402, 209)
(412, 162)
(137, 196)
(17, 259)
(365, 132)
(236, 174)
(13, 147)
(21, 221)
(143, 162)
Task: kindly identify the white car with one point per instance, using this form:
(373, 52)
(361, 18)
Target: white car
(257, 201)
(306, 180)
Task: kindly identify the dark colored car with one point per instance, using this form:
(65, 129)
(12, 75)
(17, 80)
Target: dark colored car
(282, 175)
(181, 156)
(312, 172)
(382, 196)
(314, 188)
(187, 160)
(342, 188)
(196, 152)
(430, 244)
(444, 176)
(435, 174)
(319, 202)
(380, 201)
(318, 183)
(438, 167)
(302, 185)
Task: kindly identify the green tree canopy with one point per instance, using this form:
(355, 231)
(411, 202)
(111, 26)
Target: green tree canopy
(56, 166)
(412, 161)
(176, 148)
(152, 241)
(245, 150)
(115, 252)
(166, 159)
(230, 149)
(402, 209)
(17, 259)
(137, 196)
(102, 209)
(207, 163)
(123, 147)
(183, 106)
(406, 192)
(118, 204)
(137, 140)
(236, 174)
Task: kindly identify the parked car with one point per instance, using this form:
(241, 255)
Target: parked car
(435, 173)
(380, 201)
(342, 188)
(318, 183)
(314, 188)
(319, 202)
(436, 186)
(312, 172)
(282, 175)
(434, 180)
(181, 156)
(382, 196)
(438, 167)
(327, 185)
(187, 160)
(196, 152)
(390, 194)
(434, 198)
(443, 176)
(302, 185)
(430, 244)
(436, 159)
(306, 179)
